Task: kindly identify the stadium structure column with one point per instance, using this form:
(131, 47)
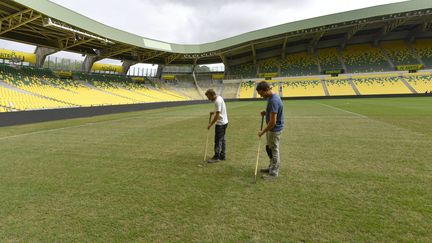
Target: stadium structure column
(341, 59)
(413, 51)
(194, 65)
(42, 53)
(159, 71)
(225, 63)
(390, 62)
(313, 52)
(126, 66)
(88, 63)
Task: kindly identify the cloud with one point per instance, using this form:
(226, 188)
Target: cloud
(195, 21)
(202, 21)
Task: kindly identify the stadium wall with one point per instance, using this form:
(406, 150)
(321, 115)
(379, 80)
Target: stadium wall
(28, 117)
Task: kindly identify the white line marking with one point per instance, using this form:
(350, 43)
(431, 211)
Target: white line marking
(63, 128)
(42, 131)
(339, 109)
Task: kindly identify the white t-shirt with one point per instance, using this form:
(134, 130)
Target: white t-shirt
(221, 108)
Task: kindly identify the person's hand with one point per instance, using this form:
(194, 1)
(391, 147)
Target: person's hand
(212, 113)
(260, 133)
(263, 113)
(209, 126)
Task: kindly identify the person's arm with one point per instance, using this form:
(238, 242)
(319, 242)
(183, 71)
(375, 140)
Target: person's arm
(270, 125)
(215, 119)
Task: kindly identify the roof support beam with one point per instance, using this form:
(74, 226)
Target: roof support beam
(426, 26)
(149, 55)
(171, 58)
(351, 32)
(389, 28)
(9, 6)
(68, 43)
(253, 53)
(316, 38)
(17, 20)
(284, 47)
(114, 50)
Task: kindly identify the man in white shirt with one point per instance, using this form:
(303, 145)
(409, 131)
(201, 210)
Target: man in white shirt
(221, 120)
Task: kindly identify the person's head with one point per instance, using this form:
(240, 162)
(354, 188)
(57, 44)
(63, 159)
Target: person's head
(264, 89)
(211, 94)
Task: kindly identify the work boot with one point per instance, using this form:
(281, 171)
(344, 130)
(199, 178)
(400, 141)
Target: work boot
(214, 159)
(265, 170)
(269, 177)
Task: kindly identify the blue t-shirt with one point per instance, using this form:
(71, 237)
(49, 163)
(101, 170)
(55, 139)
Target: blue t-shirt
(274, 104)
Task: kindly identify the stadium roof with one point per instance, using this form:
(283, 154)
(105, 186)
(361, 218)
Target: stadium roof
(44, 23)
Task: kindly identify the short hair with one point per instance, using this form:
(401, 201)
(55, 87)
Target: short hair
(263, 86)
(210, 92)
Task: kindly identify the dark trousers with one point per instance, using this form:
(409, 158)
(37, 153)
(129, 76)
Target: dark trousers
(220, 141)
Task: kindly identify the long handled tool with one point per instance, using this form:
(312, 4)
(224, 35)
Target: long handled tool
(259, 146)
(208, 133)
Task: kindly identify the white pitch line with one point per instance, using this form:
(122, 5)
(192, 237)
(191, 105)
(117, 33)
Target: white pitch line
(84, 125)
(339, 109)
(63, 128)
(42, 131)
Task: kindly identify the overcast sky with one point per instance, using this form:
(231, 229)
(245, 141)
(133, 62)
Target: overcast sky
(199, 21)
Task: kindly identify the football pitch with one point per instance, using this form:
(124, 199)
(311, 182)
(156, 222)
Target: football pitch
(351, 170)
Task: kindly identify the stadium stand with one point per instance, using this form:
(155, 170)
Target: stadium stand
(339, 86)
(123, 88)
(329, 59)
(299, 64)
(380, 84)
(27, 88)
(423, 47)
(421, 82)
(185, 86)
(102, 77)
(71, 92)
(297, 87)
(364, 58)
(269, 65)
(247, 89)
(208, 83)
(243, 71)
(230, 90)
(12, 100)
(398, 52)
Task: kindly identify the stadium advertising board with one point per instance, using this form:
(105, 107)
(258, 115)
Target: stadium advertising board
(64, 74)
(333, 71)
(268, 75)
(218, 76)
(107, 68)
(413, 67)
(138, 79)
(168, 77)
(17, 56)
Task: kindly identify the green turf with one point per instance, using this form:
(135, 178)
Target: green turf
(352, 170)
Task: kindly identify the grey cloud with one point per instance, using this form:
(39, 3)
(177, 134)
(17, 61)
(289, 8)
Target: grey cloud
(201, 21)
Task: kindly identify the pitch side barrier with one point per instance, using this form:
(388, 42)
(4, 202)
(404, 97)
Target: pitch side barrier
(28, 117)
(338, 97)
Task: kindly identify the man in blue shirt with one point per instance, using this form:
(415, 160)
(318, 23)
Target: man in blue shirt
(275, 124)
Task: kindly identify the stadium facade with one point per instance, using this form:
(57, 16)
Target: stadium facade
(53, 28)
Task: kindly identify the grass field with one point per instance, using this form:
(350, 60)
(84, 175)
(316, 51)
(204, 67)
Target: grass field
(355, 170)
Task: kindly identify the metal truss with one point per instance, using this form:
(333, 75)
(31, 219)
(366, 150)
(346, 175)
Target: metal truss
(17, 20)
